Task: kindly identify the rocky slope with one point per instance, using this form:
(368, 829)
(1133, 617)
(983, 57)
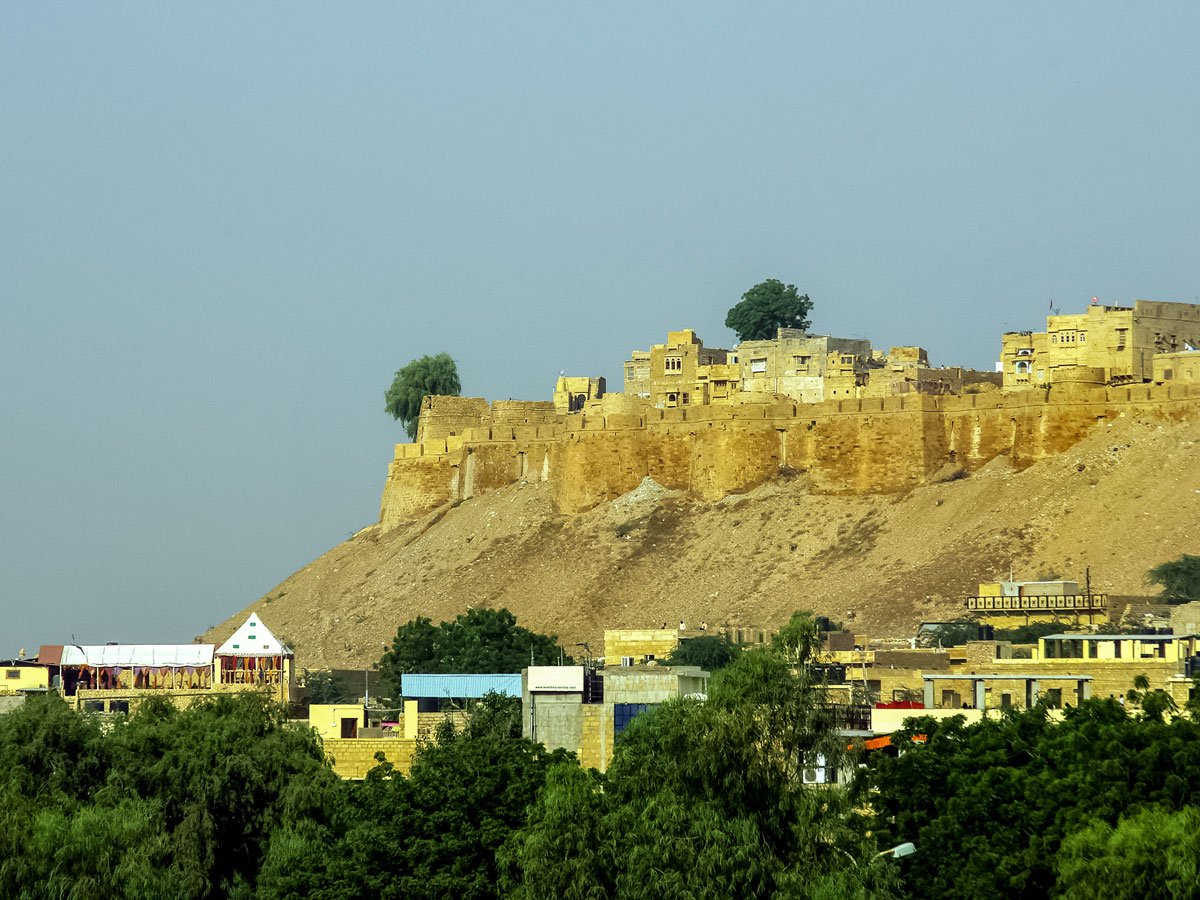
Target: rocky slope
(1121, 501)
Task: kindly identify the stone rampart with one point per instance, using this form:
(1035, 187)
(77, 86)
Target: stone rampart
(862, 446)
(449, 416)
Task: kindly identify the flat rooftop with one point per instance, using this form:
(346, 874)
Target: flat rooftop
(1015, 676)
(1116, 637)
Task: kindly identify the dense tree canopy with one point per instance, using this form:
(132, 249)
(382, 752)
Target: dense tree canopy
(479, 640)
(705, 799)
(767, 307)
(428, 376)
(1179, 578)
(709, 652)
(433, 833)
(1029, 633)
(1152, 853)
(702, 799)
(990, 805)
(169, 803)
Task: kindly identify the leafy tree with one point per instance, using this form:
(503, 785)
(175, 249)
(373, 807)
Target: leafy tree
(433, 833)
(705, 799)
(325, 687)
(1155, 704)
(496, 714)
(767, 307)
(1179, 578)
(709, 652)
(954, 633)
(1029, 634)
(170, 802)
(1153, 853)
(428, 376)
(477, 641)
(224, 771)
(990, 804)
(799, 639)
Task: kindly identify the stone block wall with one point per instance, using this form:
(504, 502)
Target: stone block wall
(638, 643)
(596, 741)
(355, 757)
(445, 416)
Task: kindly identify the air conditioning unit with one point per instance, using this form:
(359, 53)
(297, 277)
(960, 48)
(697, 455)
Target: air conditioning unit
(814, 771)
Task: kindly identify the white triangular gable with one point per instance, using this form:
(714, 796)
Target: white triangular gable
(253, 639)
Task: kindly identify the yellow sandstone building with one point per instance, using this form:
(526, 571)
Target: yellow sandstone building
(1107, 345)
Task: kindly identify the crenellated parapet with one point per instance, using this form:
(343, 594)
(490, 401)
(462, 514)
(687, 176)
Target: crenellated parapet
(880, 445)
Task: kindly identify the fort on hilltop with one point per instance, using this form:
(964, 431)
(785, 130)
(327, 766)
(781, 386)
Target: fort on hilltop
(713, 422)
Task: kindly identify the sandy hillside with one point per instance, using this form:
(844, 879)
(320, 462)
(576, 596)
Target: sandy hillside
(1121, 501)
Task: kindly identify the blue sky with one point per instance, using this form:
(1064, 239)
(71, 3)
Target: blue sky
(223, 227)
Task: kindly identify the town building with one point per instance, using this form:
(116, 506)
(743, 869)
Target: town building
(1178, 368)
(572, 392)
(681, 372)
(116, 677)
(1105, 345)
(637, 374)
(809, 368)
(21, 677)
(585, 711)
(1006, 604)
(906, 370)
(806, 368)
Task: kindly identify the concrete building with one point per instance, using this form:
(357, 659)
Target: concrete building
(585, 711)
(1000, 690)
(1131, 649)
(434, 693)
(337, 720)
(18, 679)
(807, 368)
(906, 370)
(1104, 345)
(1006, 604)
(626, 646)
(1185, 618)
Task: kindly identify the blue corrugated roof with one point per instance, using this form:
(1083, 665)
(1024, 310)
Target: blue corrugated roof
(414, 687)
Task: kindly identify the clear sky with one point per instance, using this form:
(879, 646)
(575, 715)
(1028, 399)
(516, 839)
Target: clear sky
(224, 226)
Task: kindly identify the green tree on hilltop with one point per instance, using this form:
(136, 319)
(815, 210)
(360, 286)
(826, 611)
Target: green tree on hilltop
(421, 378)
(767, 307)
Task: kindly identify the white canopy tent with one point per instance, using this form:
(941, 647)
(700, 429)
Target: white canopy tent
(126, 656)
(254, 656)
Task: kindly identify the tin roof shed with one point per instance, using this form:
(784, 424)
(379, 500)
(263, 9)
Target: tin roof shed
(458, 687)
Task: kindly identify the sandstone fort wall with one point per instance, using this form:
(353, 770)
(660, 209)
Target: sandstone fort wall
(859, 446)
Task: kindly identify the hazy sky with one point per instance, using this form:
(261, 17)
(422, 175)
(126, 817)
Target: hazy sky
(224, 226)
